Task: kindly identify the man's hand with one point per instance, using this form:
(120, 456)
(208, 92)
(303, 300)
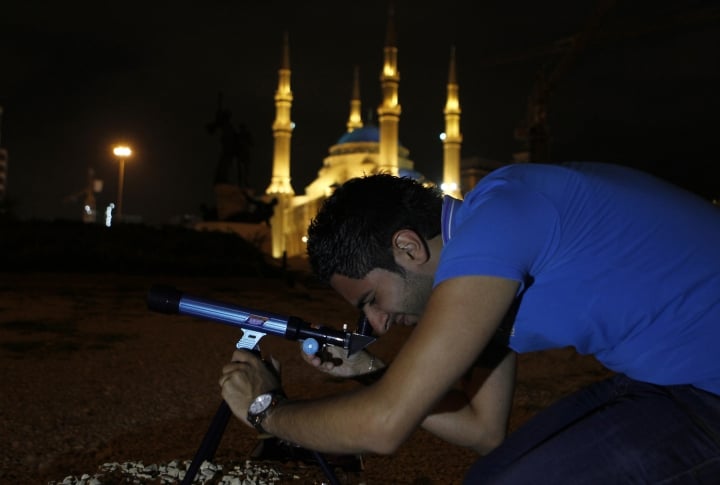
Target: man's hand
(333, 360)
(245, 378)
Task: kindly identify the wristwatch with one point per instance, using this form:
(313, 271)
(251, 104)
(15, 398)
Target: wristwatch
(260, 407)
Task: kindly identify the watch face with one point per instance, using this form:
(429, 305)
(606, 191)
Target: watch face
(260, 403)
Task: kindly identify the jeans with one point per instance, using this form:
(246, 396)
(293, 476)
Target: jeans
(617, 431)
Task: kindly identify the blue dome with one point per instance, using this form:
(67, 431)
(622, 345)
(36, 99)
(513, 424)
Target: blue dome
(413, 174)
(364, 134)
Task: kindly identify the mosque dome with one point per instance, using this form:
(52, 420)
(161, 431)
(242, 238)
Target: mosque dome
(411, 173)
(367, 133)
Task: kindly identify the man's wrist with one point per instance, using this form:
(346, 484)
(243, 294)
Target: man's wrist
(370, 377)
(368, 364)
(261, 406)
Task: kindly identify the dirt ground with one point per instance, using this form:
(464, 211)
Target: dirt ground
(90, 375)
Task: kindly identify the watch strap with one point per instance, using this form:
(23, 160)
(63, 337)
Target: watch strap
(256, 420)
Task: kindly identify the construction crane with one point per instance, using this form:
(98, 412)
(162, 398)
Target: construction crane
(3, 170)
(534, 131)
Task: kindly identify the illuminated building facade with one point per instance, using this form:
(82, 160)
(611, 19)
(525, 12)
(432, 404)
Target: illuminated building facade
(362, 150)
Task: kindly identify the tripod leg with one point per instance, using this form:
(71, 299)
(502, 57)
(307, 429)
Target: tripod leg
(326, 468)
(210, 442)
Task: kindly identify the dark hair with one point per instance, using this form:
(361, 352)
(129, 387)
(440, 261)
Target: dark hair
(351, 234)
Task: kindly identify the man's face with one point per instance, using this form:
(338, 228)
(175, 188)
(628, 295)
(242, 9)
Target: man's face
(386, 298)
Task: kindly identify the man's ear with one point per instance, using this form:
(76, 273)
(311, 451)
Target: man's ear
(409, 246)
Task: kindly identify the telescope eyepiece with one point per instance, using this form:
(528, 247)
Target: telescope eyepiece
(364, 327)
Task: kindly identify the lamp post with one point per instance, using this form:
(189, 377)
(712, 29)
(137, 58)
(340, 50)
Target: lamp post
(122, 152)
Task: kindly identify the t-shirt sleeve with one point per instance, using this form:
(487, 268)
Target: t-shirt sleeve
(507, 232)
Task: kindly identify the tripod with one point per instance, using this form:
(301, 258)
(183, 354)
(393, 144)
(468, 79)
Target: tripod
(212, 438)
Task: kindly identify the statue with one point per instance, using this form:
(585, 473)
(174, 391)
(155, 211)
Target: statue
(235, 201)
(235, 143)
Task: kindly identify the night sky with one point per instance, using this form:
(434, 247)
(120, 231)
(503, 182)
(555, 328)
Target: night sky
(78, 77)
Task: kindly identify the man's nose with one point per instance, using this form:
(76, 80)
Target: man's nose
(378, 319)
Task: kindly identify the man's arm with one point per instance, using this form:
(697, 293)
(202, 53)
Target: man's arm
(481, 423)
(460, 318)
(474, 413)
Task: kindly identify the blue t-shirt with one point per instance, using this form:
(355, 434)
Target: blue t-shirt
(610, 260)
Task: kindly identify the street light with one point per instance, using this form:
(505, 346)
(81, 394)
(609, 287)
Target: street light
(122, 152)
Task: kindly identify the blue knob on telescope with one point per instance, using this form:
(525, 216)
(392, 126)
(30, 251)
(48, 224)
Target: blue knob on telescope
(310, 346)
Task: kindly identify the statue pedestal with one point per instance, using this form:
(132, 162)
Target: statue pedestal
(229, 200)
(256, 234)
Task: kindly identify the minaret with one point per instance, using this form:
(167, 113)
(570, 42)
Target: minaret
(282, 128)
(280, 187)
(453, 138)
(389, 110)
(355, 119)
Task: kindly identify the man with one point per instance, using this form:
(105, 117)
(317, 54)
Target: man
(611, 261)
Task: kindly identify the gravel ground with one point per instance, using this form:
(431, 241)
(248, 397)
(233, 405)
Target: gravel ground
(93, 380)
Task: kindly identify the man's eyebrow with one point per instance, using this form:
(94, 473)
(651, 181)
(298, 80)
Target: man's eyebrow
(363, 300)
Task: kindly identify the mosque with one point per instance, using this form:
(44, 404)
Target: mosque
(364, 149)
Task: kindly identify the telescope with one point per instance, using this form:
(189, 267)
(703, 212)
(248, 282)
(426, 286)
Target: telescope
(255, 324)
